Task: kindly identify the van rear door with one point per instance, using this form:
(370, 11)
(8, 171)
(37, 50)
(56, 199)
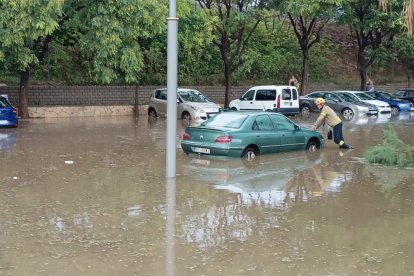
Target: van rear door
(288, 101)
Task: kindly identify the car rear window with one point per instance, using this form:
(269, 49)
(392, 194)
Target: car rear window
(4, 102)
(266, 95)
(230, 120)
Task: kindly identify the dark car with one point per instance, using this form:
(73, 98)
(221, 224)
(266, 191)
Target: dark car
(8, 113)
(396, 104)
(405, 94)
(342, 103)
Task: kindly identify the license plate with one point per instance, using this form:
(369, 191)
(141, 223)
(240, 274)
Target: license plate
(202, 150)
(4, 122)
(200, 162)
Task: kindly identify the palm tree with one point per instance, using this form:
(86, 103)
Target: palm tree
(408, 13)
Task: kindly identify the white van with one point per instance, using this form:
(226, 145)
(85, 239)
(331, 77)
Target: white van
(278, 98)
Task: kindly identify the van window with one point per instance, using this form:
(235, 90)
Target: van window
(266, 95)
(248, 96)
(286, 95)
(295, 94)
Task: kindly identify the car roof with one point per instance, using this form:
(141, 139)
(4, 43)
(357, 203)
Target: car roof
(178, 89)
(271, 87)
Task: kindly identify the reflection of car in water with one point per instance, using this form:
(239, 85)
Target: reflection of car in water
(264, 181)
(7, 140)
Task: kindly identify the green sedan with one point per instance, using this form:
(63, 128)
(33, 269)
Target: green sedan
(249, 134)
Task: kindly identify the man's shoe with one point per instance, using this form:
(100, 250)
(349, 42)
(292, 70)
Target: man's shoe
(346, 146)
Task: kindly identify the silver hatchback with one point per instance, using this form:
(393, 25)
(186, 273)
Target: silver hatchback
(191, 104)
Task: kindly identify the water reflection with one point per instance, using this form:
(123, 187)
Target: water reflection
(7, 140)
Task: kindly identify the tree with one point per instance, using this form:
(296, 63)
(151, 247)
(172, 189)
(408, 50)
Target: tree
(308, 19)
(372, 29)
(408, 13)
(404, 52)
(25, 33)
(233, 26)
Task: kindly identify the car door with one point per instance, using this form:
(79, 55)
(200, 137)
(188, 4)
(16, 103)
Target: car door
(265, 99)
(266, 137)
(247, 100)
(160, 101)
(290, 136)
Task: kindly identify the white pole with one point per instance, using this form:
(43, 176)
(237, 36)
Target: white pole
(172, 53)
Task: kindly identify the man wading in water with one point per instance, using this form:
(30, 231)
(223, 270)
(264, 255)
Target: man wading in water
(332, 119)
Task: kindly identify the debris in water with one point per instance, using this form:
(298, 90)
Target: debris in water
(393, 151)
(69, 162)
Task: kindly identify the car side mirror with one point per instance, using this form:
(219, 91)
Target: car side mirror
(297, 127)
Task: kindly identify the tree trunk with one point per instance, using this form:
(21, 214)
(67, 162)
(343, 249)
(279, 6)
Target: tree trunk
(23, 94)
(227, 75)
(136, 106)
(305, 70)
(362, 70)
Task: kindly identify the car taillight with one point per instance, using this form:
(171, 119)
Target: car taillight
(14, 110)
(278, 102)
(186, 136)
(224, 139)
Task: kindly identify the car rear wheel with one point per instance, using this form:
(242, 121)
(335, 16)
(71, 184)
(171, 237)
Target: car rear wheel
(186, 116)
(152, 112)
(395, 110)
(348, 114)
(250, 154)
(312, 146)
(305, 109)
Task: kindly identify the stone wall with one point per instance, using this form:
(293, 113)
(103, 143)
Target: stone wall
(57, 101)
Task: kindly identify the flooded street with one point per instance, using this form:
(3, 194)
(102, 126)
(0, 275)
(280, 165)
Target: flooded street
(88, 196)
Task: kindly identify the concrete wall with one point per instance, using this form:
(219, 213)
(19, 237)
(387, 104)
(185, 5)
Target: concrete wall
(63, 101)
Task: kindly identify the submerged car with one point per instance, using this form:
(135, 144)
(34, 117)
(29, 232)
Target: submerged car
(362, 96)
(248, 135)
(191, 104)
(341, 103)
(396, 104)
(8, 113)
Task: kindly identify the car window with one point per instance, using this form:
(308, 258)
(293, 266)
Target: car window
(286, 94)
(266, 95)
(192, 96)
(332, 97)
(316, 95)
(364, 96)
(410, 94)
(4, 103)
(263, 123)
(348, 97)
(399, 93)
(248, 96)
(388, 96)
(228, 119)
(282, 123)
(161, 94)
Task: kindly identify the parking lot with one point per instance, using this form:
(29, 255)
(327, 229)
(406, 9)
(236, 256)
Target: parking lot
(88, 196)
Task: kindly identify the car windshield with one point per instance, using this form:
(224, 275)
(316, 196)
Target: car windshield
(388, 96)
(364, 96)
(192, 96)
(230, 120)
(348, 97)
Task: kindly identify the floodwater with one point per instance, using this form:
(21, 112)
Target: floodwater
(88, 196)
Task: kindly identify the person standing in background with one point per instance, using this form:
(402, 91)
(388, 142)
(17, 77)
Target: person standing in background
(370, 85)
(293, 81)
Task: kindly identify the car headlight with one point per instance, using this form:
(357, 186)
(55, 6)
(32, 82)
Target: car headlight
(197, 109)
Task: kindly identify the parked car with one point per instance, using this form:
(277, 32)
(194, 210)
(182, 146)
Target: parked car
(191, 104)
(248, 135)
(341, 103)
(362, 96)
(278, 98)
(405, 94)
(8, 113)
(396, 104)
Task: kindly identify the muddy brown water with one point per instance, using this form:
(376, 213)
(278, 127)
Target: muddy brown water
(88, 196)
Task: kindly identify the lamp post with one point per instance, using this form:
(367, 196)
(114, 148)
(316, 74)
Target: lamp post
(172, 89)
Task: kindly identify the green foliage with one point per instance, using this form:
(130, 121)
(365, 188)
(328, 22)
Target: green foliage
(393, 151)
